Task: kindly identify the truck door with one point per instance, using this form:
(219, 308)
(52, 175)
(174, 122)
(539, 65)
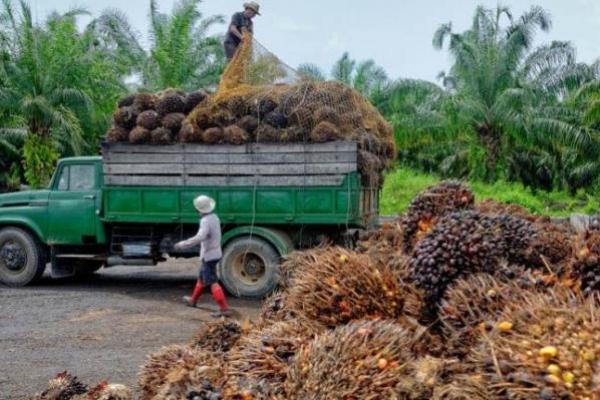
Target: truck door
(72, 205)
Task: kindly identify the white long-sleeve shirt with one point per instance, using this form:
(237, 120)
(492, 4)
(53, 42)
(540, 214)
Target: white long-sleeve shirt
(208, 237)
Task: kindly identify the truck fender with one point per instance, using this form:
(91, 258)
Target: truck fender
(279, 239)
(24, 223)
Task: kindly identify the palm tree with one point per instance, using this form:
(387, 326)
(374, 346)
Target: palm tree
(56, 84)
(506, 92)
(183, 55)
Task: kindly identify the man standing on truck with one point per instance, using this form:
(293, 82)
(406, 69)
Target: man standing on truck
(240, 22)
(209, 239)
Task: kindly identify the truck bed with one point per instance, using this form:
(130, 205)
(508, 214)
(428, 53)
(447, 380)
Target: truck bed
(274, 184)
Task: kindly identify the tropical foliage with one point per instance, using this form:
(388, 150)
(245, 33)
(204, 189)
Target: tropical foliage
(505, 110)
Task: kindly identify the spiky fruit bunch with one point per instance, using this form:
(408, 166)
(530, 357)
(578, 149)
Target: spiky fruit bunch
(294, 134)
(126, 101)
(341, 286)
(139, 135)
(431, 205)
(126, 117)
(385, 245)
(489, 206)
(196, 370)
(170, 102)
(117, 134)
(586, 267)
(235, 135)
(327, 114)
(470, 308)
(267, 133)
(460, 244)
(193, 99)
(176, 370)
(550, 352)
(371, 167)
(325, 132)
(248, 123)
(274, 310)
(161, 136)
(222, 117)
(361, 360)
(212, 135)
(173, 122)
(262, 107)
(264, 356)
(218, 336)
(145, 101)
(190, 133)
(551, 247)
(276, 119)
(106, 391)
(63, 386)
(517, 235)
(238, 106)
(148, 119)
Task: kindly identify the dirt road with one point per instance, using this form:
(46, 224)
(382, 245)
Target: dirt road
(99, 328)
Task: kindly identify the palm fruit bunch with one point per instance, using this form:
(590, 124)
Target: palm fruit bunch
(361, 360)
(516, 235)
(552, 246)
(218, 336)
(106, 391)
(342, 285)
(429, 206)
(152, 118)
(385, 245)
(62, 386)
(550, 352)
(175, 371)
(471, 306)
(273, 310)
(460, 244)
(586, 265)
(258, 365)
(489, 206)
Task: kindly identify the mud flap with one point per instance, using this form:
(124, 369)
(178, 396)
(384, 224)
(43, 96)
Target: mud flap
(59, 268)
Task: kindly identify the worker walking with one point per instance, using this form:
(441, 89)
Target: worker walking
(240, 22)
(209, 239)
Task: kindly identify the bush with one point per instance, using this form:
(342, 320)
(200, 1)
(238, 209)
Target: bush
(39, 159)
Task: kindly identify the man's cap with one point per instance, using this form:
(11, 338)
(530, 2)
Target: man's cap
(254, 6)
(204, 204)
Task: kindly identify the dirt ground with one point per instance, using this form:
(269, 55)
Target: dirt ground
(98, 328)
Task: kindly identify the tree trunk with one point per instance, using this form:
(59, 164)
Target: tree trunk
(490, 139)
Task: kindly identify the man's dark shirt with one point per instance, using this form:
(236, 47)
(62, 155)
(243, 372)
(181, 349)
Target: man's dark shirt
(240, 21)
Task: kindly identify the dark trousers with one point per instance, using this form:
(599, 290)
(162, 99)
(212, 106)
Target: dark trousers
(230, 49)
(208, 272)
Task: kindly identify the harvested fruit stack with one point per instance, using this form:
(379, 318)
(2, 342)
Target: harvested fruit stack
(152, 118)
(259, 363)
(342, 286)
(66, 387)
(218, 336)
(361, 360)
(552, 247)
(178, 370)
(550, 351)
(465, 243)
(470, 307)
(586, 267)
(429, 206)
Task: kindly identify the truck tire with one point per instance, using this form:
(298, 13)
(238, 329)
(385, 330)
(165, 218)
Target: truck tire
(22, 258)
(249, 267)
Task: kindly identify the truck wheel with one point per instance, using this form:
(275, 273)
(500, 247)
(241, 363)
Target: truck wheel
(249, 267)
(22, 258)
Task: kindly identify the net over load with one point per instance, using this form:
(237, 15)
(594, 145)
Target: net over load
(260, 99)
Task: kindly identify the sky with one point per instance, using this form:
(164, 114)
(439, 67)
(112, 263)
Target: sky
(396, 34)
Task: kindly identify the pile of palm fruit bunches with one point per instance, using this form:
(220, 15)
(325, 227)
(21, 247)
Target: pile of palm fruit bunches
(307, 112)
(452, 300)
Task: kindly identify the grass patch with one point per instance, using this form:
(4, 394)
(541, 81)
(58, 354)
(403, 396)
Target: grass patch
(403, 184)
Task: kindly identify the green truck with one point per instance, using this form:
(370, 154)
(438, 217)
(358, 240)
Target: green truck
(130, 205)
